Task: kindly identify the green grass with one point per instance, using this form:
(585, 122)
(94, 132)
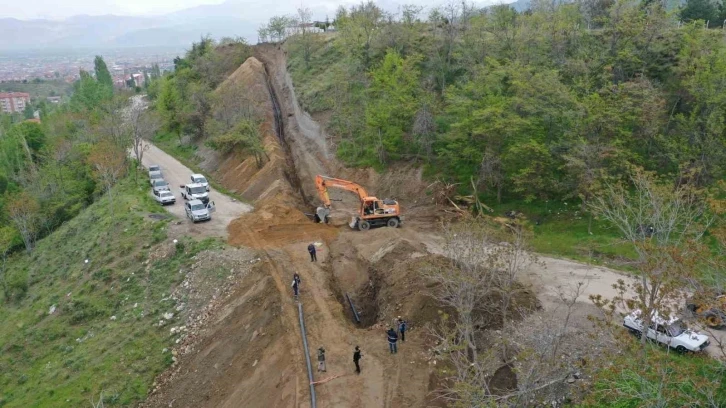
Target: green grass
(560, 229)
(635, 380)
(187, 155)
(65, 358)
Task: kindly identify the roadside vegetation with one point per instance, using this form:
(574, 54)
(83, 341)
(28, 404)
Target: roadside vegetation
(85, 274)
(82, 311)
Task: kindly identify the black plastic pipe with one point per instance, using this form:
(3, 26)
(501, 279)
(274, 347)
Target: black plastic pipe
(307, 355)
(352, 307)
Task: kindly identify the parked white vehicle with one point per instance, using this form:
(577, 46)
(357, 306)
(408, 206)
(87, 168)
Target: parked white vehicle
(164, 197)
(198, 211)
(670, 332)
(200, 179)
(195, 192)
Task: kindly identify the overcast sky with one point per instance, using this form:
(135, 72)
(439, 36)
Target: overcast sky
(59, 9)
(56, 9)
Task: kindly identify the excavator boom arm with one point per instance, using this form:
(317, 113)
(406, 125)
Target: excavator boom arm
(322, 183)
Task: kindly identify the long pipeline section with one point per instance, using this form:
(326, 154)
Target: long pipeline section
(307, 355)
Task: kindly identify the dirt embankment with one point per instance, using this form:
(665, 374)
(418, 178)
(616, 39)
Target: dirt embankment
(240, 172)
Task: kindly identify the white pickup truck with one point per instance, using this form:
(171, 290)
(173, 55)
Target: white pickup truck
(671, 332)
(194, 192)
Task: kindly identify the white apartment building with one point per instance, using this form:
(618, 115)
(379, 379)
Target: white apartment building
(13, 102)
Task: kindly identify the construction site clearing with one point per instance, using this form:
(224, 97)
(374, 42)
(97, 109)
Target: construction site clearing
(250, 353)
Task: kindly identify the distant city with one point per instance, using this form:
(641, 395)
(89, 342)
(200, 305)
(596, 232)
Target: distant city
(62, 65)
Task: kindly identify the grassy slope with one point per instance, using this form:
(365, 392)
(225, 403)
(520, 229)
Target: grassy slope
(65, 358)
(562, 230)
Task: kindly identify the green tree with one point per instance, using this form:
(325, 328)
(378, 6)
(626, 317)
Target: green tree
(392, 95)
(103, 76)
(704, 10)
(245, 137)
(169, 106)
(28, 112)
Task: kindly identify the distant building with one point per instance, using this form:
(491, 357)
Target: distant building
(123, 81)
(13, 102)
(54, 99)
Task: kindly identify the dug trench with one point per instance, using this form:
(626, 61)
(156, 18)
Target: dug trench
(252, 354)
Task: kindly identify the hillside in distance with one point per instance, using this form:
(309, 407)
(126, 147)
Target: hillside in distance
(232, 18)
(229, 19)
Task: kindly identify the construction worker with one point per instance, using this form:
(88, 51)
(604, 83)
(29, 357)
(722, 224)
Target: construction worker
(356, 359)
(392, 339)
(295, 287)
(321, 359)
(296, 277)
(402, 327)
(311, 250)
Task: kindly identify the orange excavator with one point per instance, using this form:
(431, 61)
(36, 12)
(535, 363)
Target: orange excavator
(373, 211)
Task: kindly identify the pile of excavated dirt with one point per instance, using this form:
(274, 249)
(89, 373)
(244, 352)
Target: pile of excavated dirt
(383, 275)
(275, 224)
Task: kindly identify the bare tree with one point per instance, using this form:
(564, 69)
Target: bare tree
(143, 125)
(424, 128)
(543, 350)
(481, 287)
(109, 164)
(664, 226)
(113, 124)
(24, 212)
(306, 39)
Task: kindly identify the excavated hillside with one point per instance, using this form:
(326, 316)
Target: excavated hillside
(252, 353)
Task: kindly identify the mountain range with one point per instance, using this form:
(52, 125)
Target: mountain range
(233, 18)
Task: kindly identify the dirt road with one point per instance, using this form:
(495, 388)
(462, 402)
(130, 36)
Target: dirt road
(176, 174)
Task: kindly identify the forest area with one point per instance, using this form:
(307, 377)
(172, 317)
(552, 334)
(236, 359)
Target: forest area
(53, 168)
(534, 106)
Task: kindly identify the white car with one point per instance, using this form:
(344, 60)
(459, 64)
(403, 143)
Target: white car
(200, 179)
(198, 211)
(670, 332)
(195, 192)
(164, 197)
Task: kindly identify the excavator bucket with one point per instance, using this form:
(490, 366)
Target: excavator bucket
(322, 214)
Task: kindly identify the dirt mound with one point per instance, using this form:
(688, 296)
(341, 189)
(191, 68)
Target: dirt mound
(382, 273)
(275, 224)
